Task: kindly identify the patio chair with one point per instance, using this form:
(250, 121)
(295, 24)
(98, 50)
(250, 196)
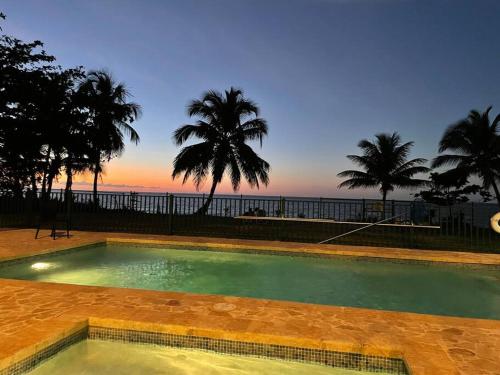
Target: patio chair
(49, 218)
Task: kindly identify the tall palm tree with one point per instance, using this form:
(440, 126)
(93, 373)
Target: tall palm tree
(386, 165)
(475, 146)
(111, 116)
(226, 122)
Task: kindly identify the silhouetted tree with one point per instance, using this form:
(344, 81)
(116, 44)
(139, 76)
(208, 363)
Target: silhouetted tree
(448, 189)
(47, 126)
(386, 166)
(111, 116)
(24, 68)
(58, 115)
(475, 142)
(226, 123)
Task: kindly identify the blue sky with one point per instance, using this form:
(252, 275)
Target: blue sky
(326, 73)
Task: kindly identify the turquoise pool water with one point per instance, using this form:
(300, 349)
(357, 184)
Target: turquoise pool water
(93, 357)
(432, 289)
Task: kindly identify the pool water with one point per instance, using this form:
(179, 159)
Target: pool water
(412, 287)
(91, 357)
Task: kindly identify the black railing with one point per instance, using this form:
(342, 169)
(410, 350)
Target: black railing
(417, 224)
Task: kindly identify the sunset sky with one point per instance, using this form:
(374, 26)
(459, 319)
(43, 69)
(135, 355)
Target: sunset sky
(325, 73)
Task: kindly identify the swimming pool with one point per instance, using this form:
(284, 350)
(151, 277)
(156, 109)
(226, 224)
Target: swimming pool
(107, 357)
(412, 287)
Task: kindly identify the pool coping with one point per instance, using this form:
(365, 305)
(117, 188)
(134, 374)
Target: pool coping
(152, 320)
(303, 325)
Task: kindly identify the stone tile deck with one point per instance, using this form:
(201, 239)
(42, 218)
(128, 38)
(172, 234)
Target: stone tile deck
(33, 314)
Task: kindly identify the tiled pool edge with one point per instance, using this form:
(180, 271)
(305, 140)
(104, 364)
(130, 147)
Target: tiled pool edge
(56, 251)
(30, 362)
(330, 358)
(216, 247)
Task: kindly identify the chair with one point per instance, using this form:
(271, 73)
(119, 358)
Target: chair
(49, 217)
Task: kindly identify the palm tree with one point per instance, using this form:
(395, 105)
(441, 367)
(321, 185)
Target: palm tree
(475, 146)
(111, 116)
(226, 122)
(386, 165)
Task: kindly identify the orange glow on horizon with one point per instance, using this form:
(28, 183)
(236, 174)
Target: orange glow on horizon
(151, 179)
(122, 177)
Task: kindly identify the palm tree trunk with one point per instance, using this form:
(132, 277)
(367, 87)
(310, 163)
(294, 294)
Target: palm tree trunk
(204, 209)
(49, 184)
(495, 189)
(50, 179)
(69, 172)
(45, 168)
(33, 182)
(69, 178)
(53, 171)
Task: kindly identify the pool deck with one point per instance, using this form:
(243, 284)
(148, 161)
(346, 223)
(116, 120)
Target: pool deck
(35, 314)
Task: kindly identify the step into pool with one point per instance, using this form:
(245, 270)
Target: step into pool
(90, 357)
(412, 287)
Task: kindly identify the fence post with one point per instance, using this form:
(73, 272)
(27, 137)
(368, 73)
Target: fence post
(472, 223)
(241, 205)
(282, 206)
(412, 213)
(364, 209)
(69, 201)
(170, 212)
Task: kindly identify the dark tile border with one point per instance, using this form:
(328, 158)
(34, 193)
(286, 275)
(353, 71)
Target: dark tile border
(353, 361)
(34, 360)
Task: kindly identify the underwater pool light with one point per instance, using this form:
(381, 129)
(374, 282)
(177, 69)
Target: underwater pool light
(40, 266)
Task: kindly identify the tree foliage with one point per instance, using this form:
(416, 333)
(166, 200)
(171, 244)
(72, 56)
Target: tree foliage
(385, 165)
(473, 146)
(448, 189)
(226, 122)
(51, 122)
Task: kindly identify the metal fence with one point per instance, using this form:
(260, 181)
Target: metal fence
(416, 224)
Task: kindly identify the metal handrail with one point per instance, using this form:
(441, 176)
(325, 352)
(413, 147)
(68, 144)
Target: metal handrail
(359, 229)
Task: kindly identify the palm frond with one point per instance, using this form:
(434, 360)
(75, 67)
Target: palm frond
(193, 160)
(201, 130)
(449, 160)
(406, 166)
(254, 129)
(254, 168)
(361, 160)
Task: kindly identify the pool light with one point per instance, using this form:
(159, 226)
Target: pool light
(40, 266)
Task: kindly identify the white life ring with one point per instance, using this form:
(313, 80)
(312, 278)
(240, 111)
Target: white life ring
(495, 222)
